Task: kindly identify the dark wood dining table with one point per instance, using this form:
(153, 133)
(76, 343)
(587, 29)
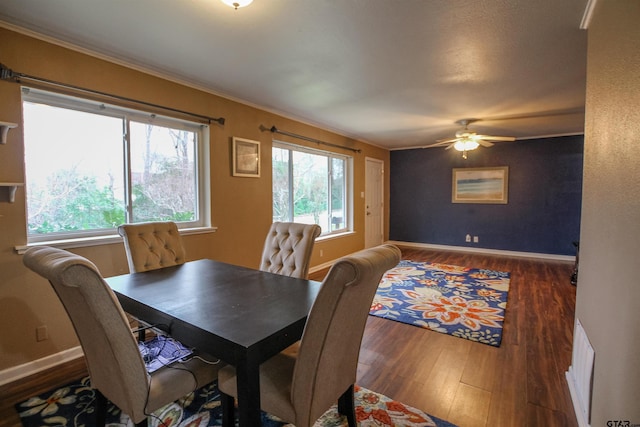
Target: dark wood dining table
(240, 315)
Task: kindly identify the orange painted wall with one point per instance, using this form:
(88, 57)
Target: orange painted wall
(241, 207)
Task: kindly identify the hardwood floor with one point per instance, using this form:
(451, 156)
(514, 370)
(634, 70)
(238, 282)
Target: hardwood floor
(519, 384)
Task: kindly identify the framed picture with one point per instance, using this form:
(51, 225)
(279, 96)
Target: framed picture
(246, 157)
(480, 185)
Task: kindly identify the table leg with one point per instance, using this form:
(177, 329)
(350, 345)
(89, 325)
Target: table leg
(248, 383)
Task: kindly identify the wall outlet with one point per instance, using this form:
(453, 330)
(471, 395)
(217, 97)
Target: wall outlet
(321, 253)
(475, 239)
(468, 238)
(42, 334)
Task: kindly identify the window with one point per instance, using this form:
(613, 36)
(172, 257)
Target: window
(311, 187)
(91, 167)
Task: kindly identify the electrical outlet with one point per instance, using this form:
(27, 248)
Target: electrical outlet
(468, 238)
(42, 334)
(321, 253)
(475, 239)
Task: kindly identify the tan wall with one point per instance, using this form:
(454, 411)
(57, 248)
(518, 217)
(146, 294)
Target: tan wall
(608, 290)
(241, 207)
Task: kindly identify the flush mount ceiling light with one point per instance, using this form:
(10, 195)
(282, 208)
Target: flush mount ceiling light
(237, 3)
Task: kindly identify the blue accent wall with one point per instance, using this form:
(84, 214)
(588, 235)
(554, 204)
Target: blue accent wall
(545, 197)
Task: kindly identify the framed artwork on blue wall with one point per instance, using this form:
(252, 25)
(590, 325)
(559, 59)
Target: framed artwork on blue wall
(480, 185)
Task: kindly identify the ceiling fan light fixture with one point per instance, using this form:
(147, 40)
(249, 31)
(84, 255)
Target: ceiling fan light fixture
(237, 3)
(466, 144)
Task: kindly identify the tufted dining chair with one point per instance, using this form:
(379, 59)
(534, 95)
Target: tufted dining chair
(116, 367)
(299, 388)
(287, 248)
(152, 245)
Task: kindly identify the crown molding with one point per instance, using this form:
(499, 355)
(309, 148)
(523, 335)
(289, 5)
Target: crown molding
(588, 14)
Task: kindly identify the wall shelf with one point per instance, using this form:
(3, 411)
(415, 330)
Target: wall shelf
(12, 186)
(4, 130)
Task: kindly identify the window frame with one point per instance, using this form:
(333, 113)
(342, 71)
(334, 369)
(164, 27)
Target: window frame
(127, 115)
(348, 182)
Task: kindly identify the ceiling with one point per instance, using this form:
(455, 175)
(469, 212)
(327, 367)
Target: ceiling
(394, 73)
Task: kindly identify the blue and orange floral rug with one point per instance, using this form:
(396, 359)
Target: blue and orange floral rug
(72, 406)
(464, 302)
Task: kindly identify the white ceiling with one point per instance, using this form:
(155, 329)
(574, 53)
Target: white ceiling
(395, 73)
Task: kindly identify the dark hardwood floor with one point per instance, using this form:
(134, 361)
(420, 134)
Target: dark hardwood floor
(519, 384)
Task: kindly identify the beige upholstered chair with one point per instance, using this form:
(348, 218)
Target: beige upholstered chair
(287, 248)
(152, 245)
(116, 367)
(299, 389)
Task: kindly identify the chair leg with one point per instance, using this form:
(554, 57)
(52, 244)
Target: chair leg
(101, 409)
(228, 415)
(346, 406)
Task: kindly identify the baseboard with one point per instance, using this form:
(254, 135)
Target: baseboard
(321, 266)
(485, 251)
(577, 407)
(21, 371)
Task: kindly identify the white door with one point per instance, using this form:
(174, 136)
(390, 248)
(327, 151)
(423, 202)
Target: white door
(374, 203)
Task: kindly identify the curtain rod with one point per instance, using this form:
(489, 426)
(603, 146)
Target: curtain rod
(274, 129)
(8, 74)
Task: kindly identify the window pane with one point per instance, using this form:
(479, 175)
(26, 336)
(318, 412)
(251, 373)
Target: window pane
(74, 170)
(280, 184)
(163, 177)
(337, 194)
(310, 185)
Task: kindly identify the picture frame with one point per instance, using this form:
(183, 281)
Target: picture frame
(246, 157)
(480, 185)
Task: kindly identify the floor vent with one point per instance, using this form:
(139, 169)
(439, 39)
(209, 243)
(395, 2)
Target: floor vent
(580, 375)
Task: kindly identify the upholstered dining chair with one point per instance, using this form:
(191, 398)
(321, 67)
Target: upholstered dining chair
(152, 245)
(116, 367)
(300, 388)
(287, 248)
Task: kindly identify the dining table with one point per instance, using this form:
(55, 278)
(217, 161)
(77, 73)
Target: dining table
(240, 315)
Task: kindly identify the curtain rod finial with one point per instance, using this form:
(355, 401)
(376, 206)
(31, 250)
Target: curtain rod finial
(6, 73)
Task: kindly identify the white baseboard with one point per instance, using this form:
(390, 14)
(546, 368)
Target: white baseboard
(577, 407)
(21, 371)
(485, 251)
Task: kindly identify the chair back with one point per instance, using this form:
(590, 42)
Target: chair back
(152, 245)
(287, 248)
(115, 365)
(328, 355)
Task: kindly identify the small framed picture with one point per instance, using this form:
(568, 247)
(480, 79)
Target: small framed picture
(481, 185)
(246, 158)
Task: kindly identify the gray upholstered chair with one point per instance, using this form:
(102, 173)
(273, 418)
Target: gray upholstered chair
(116, 367)
(152, 245)
(300, 388)
(287, 248)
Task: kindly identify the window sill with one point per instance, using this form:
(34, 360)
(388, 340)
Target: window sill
(100, 240)
(335, 236)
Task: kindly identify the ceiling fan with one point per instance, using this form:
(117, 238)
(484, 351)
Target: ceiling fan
(467, 140)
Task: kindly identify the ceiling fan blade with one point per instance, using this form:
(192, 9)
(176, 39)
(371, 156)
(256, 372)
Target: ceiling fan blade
(449, 147)
(447, 141)
(496, 138)
(484, 143)
(438, 144)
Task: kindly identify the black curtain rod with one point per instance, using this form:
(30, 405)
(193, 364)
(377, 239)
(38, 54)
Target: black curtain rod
(274, 129)
(8, 74)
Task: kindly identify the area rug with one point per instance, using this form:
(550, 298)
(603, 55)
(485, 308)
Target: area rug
(72, 406)
(464, 302)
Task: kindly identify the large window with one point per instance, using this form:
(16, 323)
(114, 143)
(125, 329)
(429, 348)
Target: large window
(311, 187)
(91, 167)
